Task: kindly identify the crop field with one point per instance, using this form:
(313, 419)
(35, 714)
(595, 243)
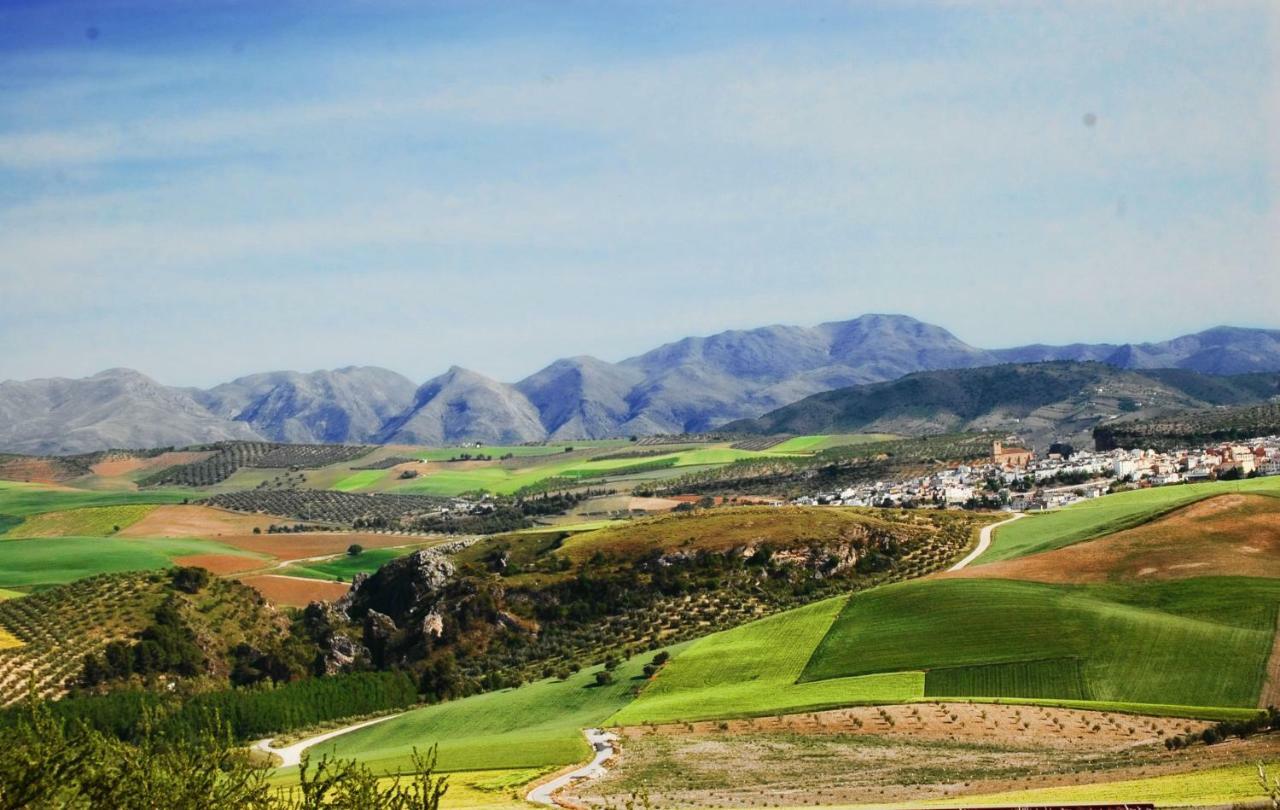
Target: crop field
(752, 670)
(8, 594)
(1112, 513)
(346, 566)
(19, 500)
(814, 444)
(54, 560)
(89, 521)
(1198, 642)
(537, 725)
(1060, 677)
(516, 450)
(360, 480)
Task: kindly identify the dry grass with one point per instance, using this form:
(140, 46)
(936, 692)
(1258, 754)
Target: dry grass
(1228, 535)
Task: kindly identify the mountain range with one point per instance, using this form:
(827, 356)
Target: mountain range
(693, 384)
(1061, 400)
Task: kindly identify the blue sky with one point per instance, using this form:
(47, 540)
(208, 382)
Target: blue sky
(202, 190)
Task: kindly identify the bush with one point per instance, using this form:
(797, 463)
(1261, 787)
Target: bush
(355, 549)
(190, 579)
(604, 678)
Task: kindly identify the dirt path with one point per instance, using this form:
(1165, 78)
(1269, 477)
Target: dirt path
(602, 743)
(984, 542)
(1271, 687)
(292, 754)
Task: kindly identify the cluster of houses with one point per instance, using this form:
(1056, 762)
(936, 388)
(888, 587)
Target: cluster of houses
(1015, 480)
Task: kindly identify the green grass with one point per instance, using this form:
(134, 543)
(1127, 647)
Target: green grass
(346, 566)
(5, 593)
(1109, 514)
(89, 521)
(1198, 642)
(360, 480)
(517, 451)
(55, 560)
(19, 500)
(752, 670)
(534, 726)
(813, 444)
(507, 479)
(1060, 677)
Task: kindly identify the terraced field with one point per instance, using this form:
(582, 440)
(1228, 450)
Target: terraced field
(1113, 513)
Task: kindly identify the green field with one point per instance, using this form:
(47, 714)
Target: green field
(55, 560)
(515, 450)
(5, 593)
(1197, 642)
(537, 725)
(346, 566)
(814, 444)
(18, 500)
(1059, 677)
(1109, 514)
(360, 480)
(89, 521)
(508, 478)
(752, 670)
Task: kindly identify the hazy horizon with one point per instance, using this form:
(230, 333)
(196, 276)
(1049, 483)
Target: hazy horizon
(205, 191)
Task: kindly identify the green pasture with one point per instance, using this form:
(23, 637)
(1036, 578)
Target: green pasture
(360, 480)
(752, 670)
(87, 521)
(537, 725)
(18, 500)
(1196, 642)
(346, 566)
(55, 560)
(1111, 513)
(814, 444)
(506, 479)
(515, 450)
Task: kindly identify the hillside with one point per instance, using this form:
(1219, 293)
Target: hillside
(1195, 428)
(1040, 401)
(690, 385)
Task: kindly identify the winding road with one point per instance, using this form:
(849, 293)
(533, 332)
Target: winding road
(602, 742)
(984, 542)
(292, 754)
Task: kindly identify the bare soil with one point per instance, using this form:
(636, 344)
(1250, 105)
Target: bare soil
(294, 591)
(190, 520)
(1230, 535)
(313, 544)
(220, 563)
(828, 758)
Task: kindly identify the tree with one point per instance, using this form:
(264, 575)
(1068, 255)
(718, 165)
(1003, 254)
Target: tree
(604, 678)
(355, 549)
(190, 579)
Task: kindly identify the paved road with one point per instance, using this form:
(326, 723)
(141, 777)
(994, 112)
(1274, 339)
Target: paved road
(984, 542)
(292, 754)
(602, 742)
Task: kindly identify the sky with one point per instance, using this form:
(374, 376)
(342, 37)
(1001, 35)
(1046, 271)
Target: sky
(205, 190)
